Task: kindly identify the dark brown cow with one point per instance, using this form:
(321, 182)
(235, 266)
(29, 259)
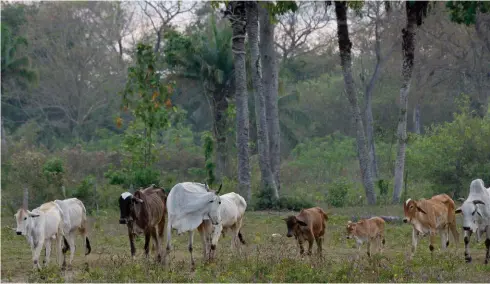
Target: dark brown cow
(147, 211)
(308, 225)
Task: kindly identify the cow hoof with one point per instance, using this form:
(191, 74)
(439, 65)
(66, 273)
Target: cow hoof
(431, 247)
(486, 261)
(468, 259)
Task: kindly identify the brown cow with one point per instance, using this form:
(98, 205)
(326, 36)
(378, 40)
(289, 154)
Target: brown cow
(147, 211)
(370, 230)
(308, 225)
(430, 215)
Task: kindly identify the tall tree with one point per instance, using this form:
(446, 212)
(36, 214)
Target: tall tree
(267, 177)
(237, 14)
(415, 11)
(270, 87)
(345, 46)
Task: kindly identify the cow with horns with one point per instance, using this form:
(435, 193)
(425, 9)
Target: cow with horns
(193, 206)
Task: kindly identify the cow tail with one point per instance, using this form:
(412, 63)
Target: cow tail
(325, 215)
(451, 219)
(88, 248)
(241, 237)
(66, 246)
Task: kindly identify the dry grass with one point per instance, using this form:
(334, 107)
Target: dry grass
(264, 259)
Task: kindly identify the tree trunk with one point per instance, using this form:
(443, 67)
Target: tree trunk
(416, 119)
(4, 138)
(345, 46)
(408, 47)
(237, 15)
(270, 84)
(25, 198)
(220, 106)
(267, 177)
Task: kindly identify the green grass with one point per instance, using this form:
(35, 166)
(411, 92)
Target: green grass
(263, 259)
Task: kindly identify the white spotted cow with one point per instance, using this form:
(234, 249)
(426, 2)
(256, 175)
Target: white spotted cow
(40, 226)
(476, 216)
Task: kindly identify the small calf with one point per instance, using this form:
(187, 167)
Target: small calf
(370, 230)
(308, 225)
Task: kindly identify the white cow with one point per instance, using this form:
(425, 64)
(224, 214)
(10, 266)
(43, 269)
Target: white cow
(74, 219)
(189, 206)
(232, 210)
(41, 226)
(476, 216)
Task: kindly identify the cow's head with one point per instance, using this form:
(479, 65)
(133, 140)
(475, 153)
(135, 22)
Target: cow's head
(410, 209)
(214, 203)
(137, 204)
(22, 218)
(125, 207)
(471, 214)
(293, 223)
(351, 229)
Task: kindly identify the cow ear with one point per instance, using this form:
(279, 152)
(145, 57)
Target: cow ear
(285, 219)
(138, 200)
(32, 215)
(476, 202)
(421, 210)
(458, 211)
(301, 223)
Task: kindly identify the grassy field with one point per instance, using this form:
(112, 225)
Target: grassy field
(263, 259)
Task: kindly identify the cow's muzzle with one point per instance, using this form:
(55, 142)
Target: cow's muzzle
(123, 221)
(289, 235)
(405, 220)
(18, 233)
(467, 228)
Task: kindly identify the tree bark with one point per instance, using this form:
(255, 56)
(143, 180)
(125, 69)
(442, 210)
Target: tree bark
(345, 46)
(238, 18)
(270, 84)
(416, 119)
(414, 18)
(4, 138)
(220, 106)
(267, 177)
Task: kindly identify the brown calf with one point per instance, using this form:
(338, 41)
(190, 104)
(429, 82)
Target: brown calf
(430, 215)
(148, 212)
(370, 230)
(308, 225)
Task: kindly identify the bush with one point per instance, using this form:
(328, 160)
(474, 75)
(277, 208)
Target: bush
(338, 190)
(263, 201)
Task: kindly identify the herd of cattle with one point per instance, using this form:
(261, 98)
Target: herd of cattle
(191, 206)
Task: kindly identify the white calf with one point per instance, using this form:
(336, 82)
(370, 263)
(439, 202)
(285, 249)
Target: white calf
(232, 210)
(74, 219)
(41, 226)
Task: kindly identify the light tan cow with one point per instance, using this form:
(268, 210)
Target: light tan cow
(371, 230)
(429, 216)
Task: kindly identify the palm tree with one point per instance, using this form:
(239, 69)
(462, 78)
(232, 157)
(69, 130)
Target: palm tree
(206, 56)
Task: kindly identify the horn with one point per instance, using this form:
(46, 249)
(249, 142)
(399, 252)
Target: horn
(206, 186)
(220, 186)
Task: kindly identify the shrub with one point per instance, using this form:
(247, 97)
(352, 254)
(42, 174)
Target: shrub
(338, 190)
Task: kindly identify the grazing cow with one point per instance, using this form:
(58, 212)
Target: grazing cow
(191, 205)
(232, 210)
(476, 216)
(146, 211)
(308, 225)
(41, 226)
(370, 230)
(430, 215)
(74, 219)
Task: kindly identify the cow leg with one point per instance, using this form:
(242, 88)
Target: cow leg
(131, 239)
(36, 252)
(169, 239)
(156, 240)
(204, 242)
(415, 239)
(369, 247)
(310, 245)
(71, 243)
(47, 247)
(300, 243)
(467, 237)
(319, 245)
(147, 242)
(444, 238)
(161, 232)
(487, 244)
(191, 240)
